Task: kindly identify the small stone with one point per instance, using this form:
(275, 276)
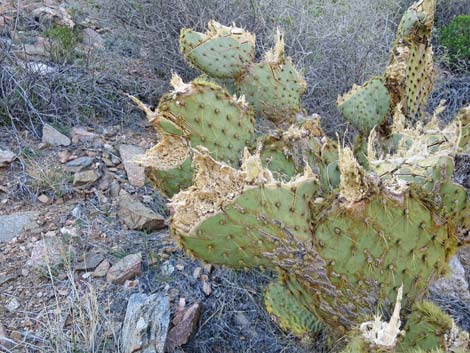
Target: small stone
(90, 261)
(92, 38)
(50, 252)
(137, 216)
(127, 268)
(13, 305)
(197, 272)
(78, 164)
(167, 268)
(85, 177)
(114, 188)
(180, 333)
(4, 340)
(6, 157)
(81, 134)
(43, 199)
(70, 232)
(64, 156)
(131, 284)
(135, 173)
(146, 323)
(102, 269)
(16, 336)
(206, 287)
(53, 137)
(179, 267)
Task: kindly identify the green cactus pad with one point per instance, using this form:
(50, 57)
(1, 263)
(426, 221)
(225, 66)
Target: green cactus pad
(245, 227)
(208, 116)
(273, 90)
(286, 310)
(425, 328)
(168, 165)
(366, 106)
(286, 154)
(373, 247)
(222, 52)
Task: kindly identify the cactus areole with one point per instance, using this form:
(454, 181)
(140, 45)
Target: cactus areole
(355, 235)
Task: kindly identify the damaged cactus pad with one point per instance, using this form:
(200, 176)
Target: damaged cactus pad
(353, 236)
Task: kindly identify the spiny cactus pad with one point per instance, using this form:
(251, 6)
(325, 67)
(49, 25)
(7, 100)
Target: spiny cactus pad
(233, 217)
(208, 116)
(366, 106)
(221, 52)
(429, 328)
(274, 86)
(168, 165)
(291, 315)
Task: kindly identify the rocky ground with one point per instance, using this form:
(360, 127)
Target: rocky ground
(86, 261)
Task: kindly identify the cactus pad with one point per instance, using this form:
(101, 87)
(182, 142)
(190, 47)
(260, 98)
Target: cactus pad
(208, 116)
(221, 52)
(291, 315)
(366, 106)
(274, 86)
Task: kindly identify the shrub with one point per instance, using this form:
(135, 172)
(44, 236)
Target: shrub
(456, 38)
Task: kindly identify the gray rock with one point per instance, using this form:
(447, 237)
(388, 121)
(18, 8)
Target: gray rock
(129, 155)
(89, 262)
(85, 177)
(53, 137)
(13, 305)
(6, 157)
(81, 134)
(127, 268)
(102, 269)
(14, 224)
(454, 284)
(92, 38)
(78, 164)
(53, 15)
(146, 324)
(50, 252)
(137, 216)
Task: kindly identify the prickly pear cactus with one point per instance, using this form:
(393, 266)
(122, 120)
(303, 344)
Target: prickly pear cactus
(350, 234)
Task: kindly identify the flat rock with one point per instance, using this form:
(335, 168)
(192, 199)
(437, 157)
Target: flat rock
(89, 262)
(78, 164)
(85, 177)
(53, 137)
(14, 224)
(127, 268)
(146, 324)
(81, 134)
(50, 252)
(102, 269)
(184, 328)
(6, 157)
(453, 285)
(135, 173)
(137, 216)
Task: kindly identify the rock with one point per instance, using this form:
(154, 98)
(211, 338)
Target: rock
(13, 305)
(78, 164)
(6, 157)
(63, 156)
(127, 268)
(102, 269)
(206, 287)
(50, 252)
(4, 340)
(182, 331)
(53, 137)
(81, 134)
(85, 177)
(114, 188)
(43, 199)
(146, 324)
(53, 15)
(135, 173)
(89, 262)
(92, 38)
(14, 224)
(137, 216)
(455, 284)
